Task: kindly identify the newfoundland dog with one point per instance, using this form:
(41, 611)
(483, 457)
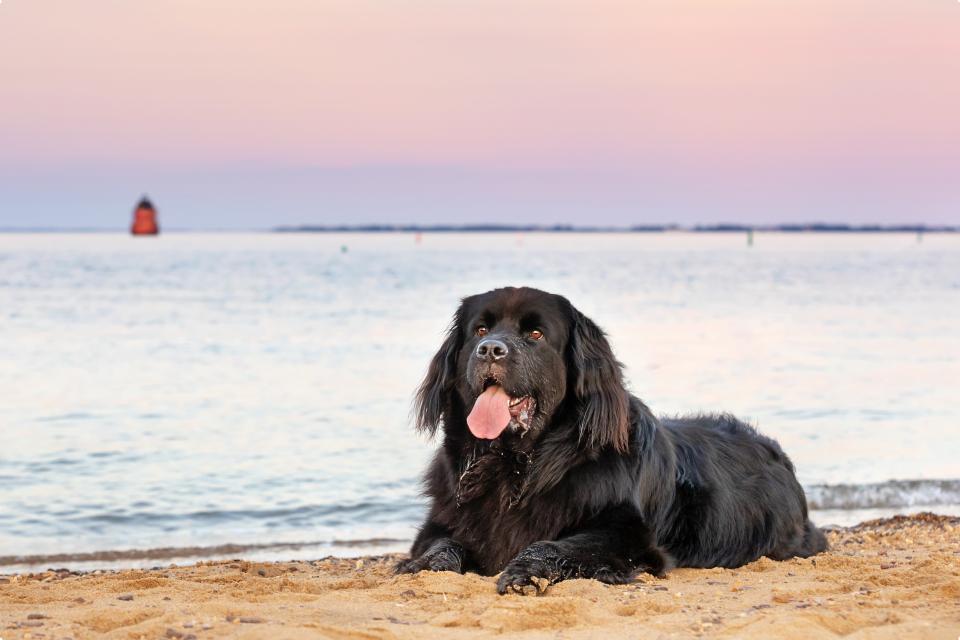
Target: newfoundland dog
(549, 469)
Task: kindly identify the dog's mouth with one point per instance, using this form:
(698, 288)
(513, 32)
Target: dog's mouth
(495, 410)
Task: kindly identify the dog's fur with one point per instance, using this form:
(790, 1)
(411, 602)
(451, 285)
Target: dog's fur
(597, 487)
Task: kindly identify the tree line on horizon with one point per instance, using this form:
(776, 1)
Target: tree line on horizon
(647, 228)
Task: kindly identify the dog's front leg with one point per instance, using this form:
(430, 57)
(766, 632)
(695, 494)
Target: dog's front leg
(434, 550)
(611, 547)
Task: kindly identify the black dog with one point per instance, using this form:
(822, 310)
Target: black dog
(551, 470)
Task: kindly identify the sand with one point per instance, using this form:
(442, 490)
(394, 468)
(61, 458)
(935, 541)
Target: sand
(894, 578)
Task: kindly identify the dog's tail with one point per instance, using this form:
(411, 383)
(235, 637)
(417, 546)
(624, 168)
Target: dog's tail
(814, 541)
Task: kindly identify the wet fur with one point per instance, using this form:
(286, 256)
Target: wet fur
(601, 488)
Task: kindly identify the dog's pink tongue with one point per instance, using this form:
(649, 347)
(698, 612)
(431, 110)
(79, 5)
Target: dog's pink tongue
(490, 414)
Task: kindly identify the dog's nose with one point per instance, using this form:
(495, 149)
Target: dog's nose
(492, 349)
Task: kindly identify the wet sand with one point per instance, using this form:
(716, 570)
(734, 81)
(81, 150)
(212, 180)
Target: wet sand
(894, 578)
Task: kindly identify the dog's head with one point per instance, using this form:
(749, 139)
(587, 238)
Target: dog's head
(517, 362)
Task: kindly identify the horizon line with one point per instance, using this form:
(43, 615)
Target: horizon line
(817, 227)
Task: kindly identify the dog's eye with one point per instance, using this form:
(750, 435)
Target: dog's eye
(536, 334)
(482, 331)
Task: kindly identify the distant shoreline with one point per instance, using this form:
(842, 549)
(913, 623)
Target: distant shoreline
(524, 228)
(717, 228)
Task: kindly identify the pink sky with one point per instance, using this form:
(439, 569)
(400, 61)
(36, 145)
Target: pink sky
(619, 111)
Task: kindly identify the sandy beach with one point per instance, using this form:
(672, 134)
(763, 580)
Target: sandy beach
(893, 578)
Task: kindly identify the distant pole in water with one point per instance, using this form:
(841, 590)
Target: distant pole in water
(343, 248)
(145, 219)
(749, 237)
(919, 236)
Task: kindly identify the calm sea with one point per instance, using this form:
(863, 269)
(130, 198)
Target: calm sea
(206, 389)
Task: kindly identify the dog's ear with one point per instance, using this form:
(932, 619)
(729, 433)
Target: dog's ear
(597, 383)
(433, 396)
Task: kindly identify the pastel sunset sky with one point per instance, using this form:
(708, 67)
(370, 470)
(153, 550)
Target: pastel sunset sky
(244, 114)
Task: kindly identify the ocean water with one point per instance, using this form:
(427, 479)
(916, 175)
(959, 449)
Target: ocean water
(198, 390)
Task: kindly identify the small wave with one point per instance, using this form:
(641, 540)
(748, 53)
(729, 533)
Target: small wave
(67, 417)
(171, 553)
(893, 494)
(315, 514)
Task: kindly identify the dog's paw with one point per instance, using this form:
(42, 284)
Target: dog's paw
(411, 565)
(611, 576)
(435, 559)
(525, 576)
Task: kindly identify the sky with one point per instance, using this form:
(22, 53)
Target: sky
(243, 114)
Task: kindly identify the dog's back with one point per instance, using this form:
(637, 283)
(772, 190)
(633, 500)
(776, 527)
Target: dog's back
(737, 497)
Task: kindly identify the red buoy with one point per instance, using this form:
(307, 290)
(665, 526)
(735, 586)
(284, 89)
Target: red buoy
(145, 219)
